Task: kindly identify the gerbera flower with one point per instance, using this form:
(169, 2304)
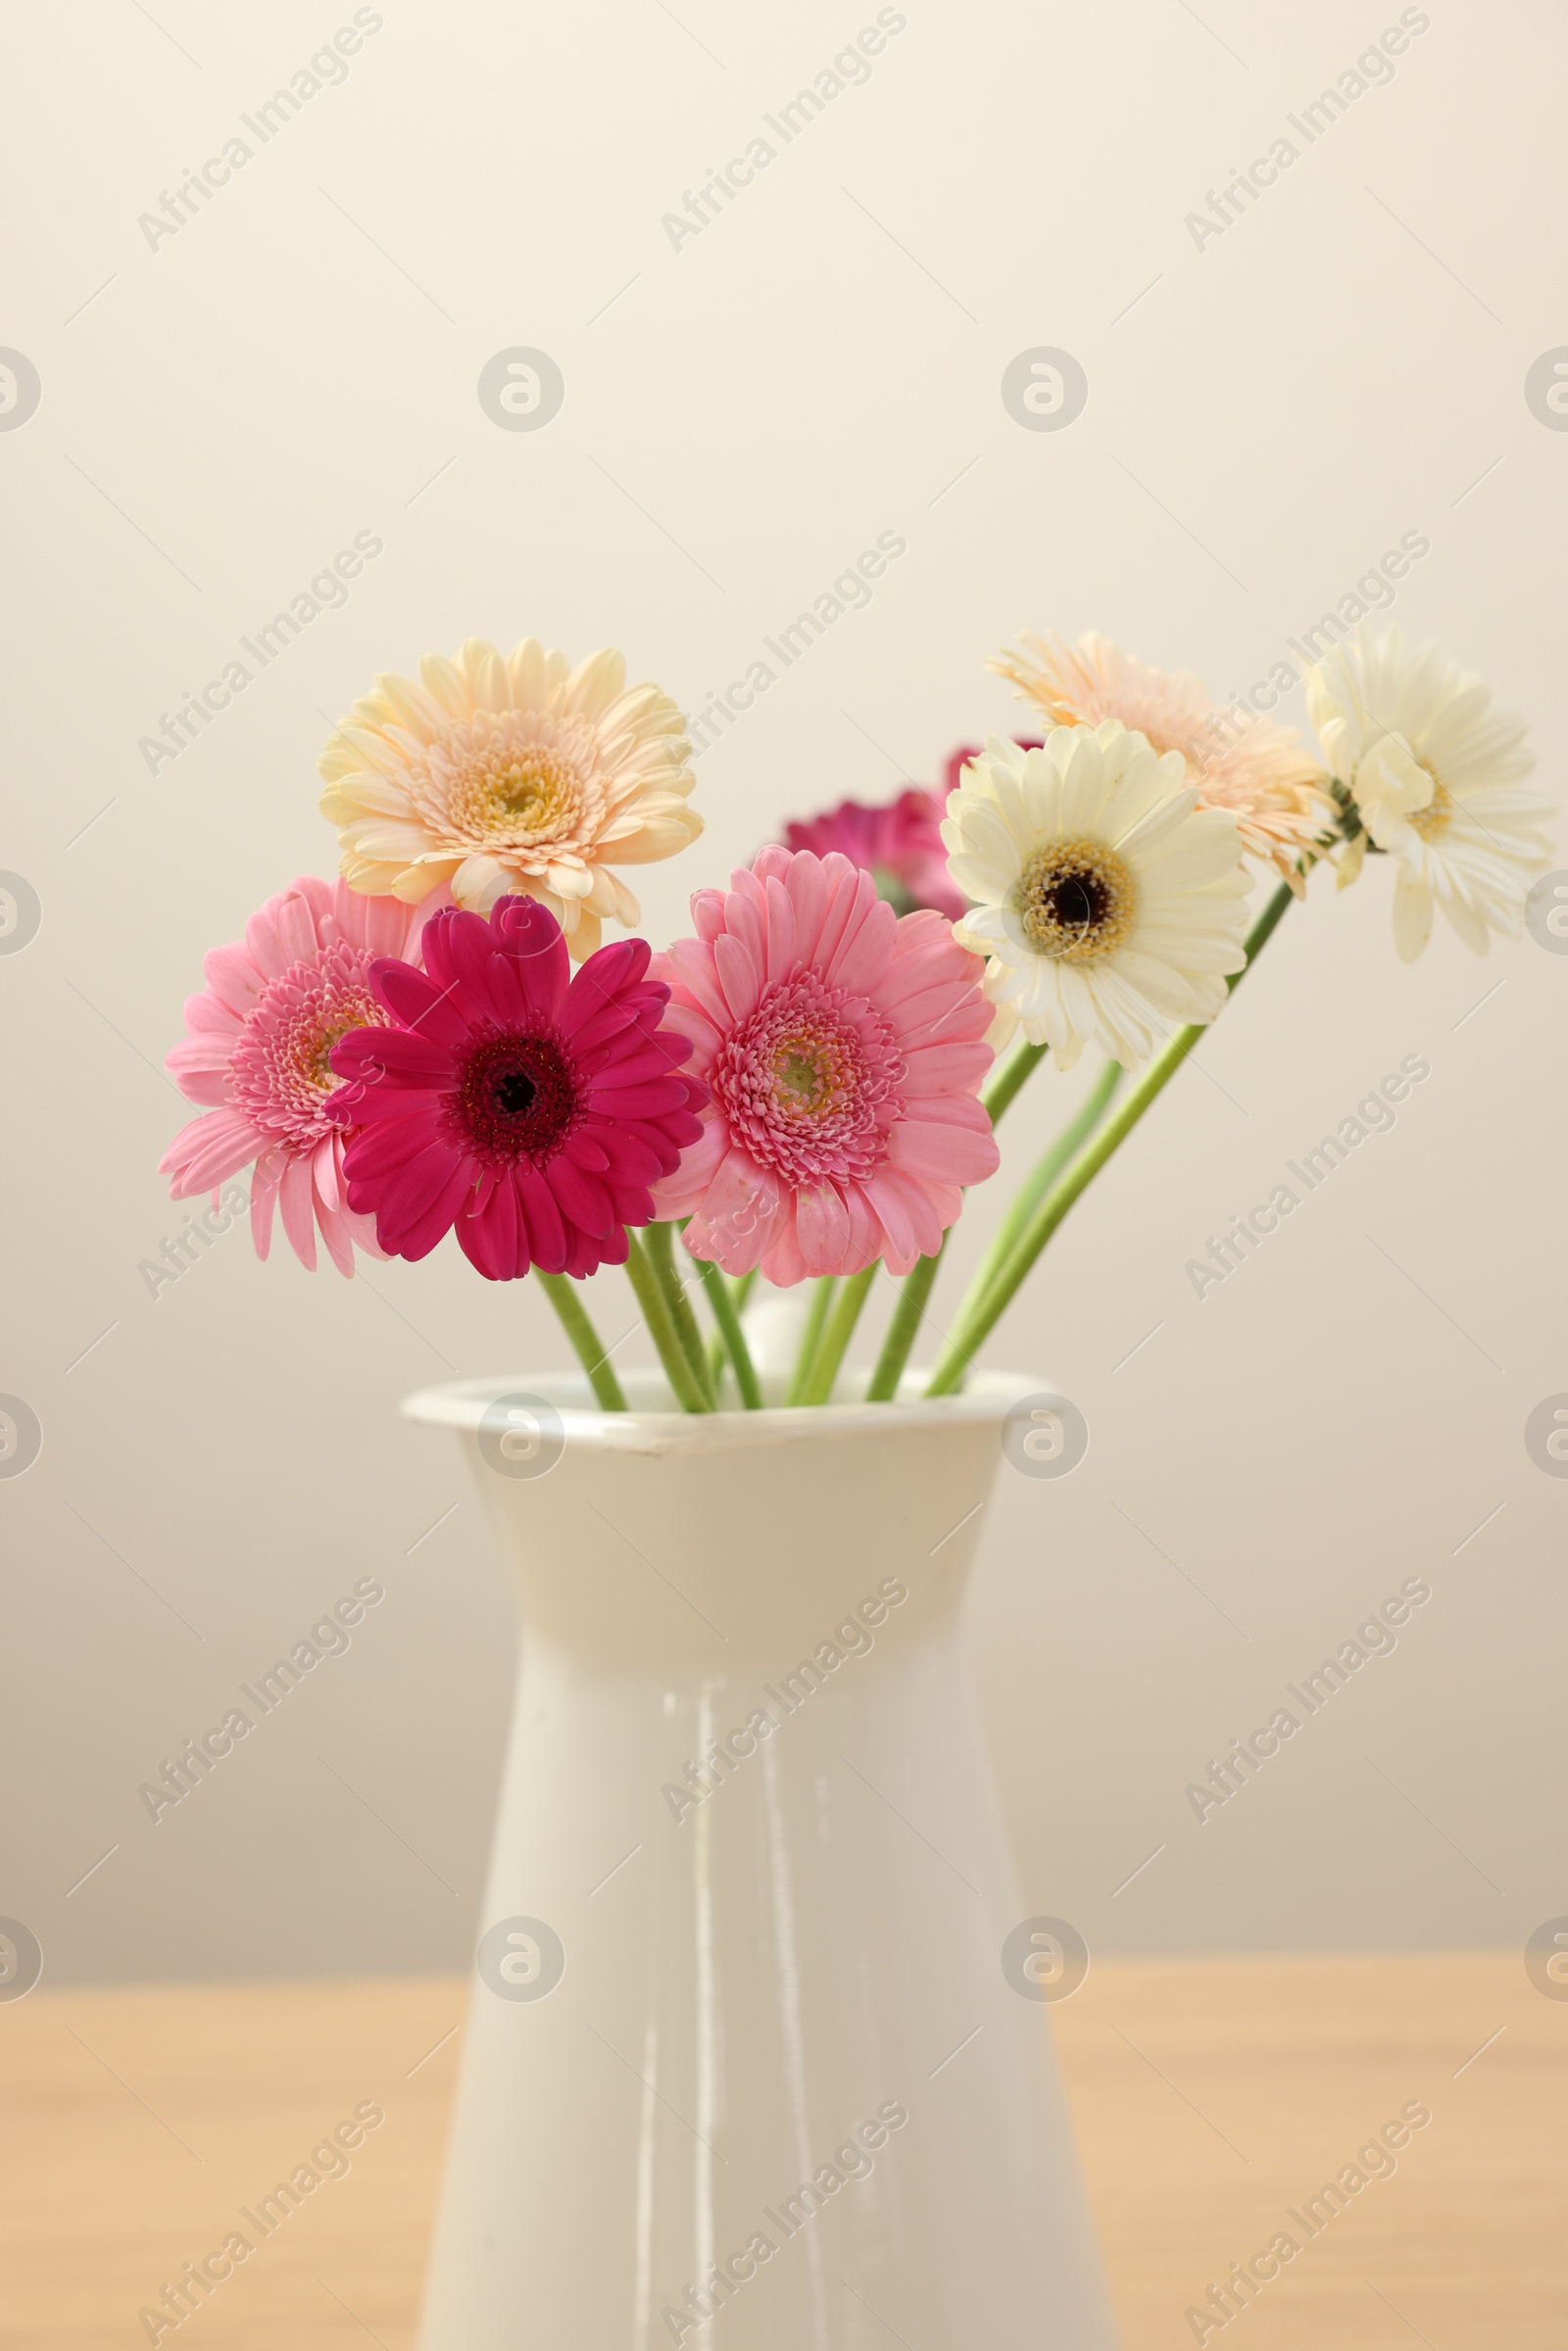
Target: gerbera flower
(501, 774)
(526, 1106)
(842, 1046)
(260, 1033)
(1110, 902)
(1434, 772)
(1262, 772)
(898, 844)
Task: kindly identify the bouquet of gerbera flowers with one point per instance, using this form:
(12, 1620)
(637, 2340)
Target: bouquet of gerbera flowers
(439, 1043)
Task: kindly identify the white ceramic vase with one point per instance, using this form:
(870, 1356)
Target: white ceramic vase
(744, 2068)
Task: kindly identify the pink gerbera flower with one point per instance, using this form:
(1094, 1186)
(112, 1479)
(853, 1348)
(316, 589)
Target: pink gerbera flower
(526, 1106)
(260, 1033)
(842, 1046)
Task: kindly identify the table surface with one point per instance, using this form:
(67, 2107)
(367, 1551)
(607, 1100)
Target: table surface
(1209, 2097)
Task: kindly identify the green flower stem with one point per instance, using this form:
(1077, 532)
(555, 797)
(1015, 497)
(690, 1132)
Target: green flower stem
(836, 1337)
(1021, 1064)
(984, 1311)
(659, 1242)
(810, 1339)
(738, 1291)
(690, 1393)
(723, 1303)
(1060, 1155)
(909, 1311)
(580, 1329)
(981, 1314)
(907, 1315)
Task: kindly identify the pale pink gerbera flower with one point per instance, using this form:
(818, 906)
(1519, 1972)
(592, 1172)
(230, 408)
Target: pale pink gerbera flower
(1259, 771)
(515, 773)
(261, 1034)
(843, 1046)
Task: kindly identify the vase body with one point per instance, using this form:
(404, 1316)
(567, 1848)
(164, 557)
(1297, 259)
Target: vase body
(741, 2063)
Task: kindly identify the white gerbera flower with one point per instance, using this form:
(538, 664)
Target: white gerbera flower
(517, 773)
(1436, 774)
(1110, 905)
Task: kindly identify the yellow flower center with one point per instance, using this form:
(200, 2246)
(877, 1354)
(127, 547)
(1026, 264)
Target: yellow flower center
(1075, 901)
(316, 1069)
(517, 791)
(1436, 816)
(811, 1076)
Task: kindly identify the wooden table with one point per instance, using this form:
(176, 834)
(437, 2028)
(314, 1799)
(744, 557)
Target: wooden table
(1210, 2097)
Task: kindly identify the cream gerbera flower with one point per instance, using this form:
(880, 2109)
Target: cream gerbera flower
(514, 774)
(1435, 773)
(1111, 903)
(1258, 769)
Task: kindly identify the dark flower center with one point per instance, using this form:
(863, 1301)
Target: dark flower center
(1080, 900)
(1075, 900)
(515, 1092)
(516, 1099)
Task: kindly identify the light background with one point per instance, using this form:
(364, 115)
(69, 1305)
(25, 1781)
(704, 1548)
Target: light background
(742, 416)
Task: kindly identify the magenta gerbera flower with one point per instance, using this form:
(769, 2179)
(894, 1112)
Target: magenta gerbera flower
(260, 1032)
(842, 1046)
(527, 1108)
(898, 844)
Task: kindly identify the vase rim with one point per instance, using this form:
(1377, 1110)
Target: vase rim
(652, 1424)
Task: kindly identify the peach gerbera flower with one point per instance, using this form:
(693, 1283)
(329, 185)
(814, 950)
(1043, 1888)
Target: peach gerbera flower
(1261, 773)
(510, 775)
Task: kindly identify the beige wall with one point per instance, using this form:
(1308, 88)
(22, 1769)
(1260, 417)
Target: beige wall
(299, 364)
